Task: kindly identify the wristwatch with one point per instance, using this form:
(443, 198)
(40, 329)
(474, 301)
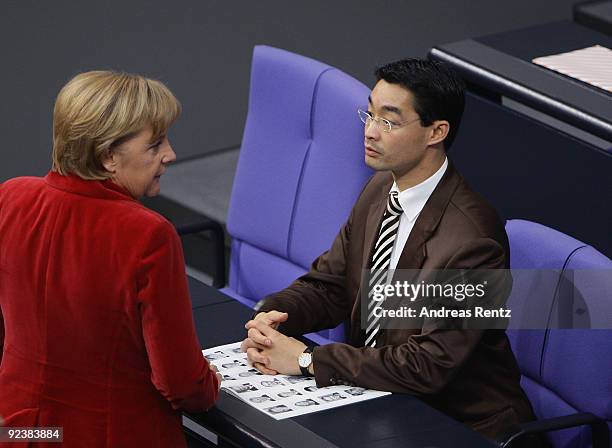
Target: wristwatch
(304, 361)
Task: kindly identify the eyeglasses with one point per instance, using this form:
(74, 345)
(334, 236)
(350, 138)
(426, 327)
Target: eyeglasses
(382, 123)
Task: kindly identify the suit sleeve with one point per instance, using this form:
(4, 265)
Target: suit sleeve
(424, 363)
(1, 335)
(319, 299)
(178, 369)
(1, 317)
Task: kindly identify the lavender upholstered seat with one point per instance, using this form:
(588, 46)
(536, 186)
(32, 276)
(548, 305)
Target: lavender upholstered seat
(300, 170)
(565, 371)
(534, 247)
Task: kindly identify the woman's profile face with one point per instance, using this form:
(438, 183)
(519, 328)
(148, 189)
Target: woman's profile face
(138, 163)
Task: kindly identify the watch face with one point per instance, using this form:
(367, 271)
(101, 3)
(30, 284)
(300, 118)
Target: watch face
(305, 359)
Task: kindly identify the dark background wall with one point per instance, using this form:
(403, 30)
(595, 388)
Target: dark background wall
(202, 50)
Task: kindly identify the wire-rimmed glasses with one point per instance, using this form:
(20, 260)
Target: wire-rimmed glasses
(386, 125)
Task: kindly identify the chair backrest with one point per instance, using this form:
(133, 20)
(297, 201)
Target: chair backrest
(301, 168)
(533, 248)
(577, 363)
(565, 371)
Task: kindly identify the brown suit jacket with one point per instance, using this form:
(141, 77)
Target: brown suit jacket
(470, 375)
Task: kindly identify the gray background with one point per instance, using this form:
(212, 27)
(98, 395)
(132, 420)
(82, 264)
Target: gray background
(202, 50)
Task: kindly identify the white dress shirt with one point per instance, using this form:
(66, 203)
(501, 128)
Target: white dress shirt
(412, 201)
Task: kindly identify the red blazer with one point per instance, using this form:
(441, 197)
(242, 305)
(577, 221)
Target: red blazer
(98, 333)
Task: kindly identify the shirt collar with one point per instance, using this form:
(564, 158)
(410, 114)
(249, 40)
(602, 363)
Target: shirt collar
(413, 199)
(103, 189)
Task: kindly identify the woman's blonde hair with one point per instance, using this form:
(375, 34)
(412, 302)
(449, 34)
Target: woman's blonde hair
(98, 110)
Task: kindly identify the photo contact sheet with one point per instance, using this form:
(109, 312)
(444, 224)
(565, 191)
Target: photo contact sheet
(279, 396)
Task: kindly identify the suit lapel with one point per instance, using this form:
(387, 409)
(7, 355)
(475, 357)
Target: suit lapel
(375, 213)
(414, 253)
(373, 223)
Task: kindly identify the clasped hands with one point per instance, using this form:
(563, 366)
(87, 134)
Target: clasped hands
(268, 350)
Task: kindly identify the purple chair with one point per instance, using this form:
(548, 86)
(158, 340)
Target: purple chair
(567, 373)
(533, 248)
(300, 170)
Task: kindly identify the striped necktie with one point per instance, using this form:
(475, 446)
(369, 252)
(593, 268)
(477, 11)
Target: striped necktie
(381, 260)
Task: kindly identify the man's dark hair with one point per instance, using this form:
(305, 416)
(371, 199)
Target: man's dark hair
(437, 89)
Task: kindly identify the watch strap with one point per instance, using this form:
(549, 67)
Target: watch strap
(304, 370)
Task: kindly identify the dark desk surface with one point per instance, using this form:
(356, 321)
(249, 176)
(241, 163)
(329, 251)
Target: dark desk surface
(596, 15)
(501, 63)
(544, 40)
(391, 421)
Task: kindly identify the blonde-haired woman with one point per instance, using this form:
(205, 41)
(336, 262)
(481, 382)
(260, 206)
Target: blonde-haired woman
(98, 334)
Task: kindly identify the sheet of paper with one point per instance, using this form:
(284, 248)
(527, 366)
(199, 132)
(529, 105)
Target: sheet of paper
(279, 396)
(592, 65)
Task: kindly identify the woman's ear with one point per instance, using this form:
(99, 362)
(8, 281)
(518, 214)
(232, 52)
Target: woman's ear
(439, 132)
(109, 160)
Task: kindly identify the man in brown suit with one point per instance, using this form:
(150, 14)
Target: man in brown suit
(413, 115)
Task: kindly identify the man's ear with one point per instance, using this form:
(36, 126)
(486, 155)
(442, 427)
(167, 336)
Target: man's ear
(109, 160)
(439, 131)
